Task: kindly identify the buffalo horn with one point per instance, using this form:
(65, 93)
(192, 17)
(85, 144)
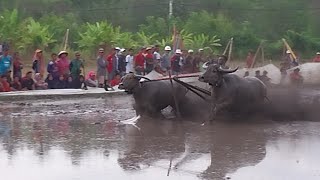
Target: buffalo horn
(227, 70)
(142, 77)
(205, 65)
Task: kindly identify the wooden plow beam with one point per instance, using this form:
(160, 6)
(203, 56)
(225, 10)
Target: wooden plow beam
(289, 48)
(260, 48)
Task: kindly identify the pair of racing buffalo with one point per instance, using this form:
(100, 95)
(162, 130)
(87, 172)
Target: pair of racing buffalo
(228, 92)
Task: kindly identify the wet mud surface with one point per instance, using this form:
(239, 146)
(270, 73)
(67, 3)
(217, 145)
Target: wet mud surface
(86, 139)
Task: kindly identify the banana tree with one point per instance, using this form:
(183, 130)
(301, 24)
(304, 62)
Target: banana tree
(35, 36)
(203, 41)
(9, 26)
(145, 40)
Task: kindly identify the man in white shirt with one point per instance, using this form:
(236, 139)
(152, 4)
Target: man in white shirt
(129, 61)
(156, 55)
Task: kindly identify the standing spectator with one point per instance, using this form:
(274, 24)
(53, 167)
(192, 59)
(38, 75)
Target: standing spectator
(50, 81)
(16, 84)
(17, 65)
(199, 59)
(249, 60)
(91, 80)
(295, 78)
(75, 66)
(5, 62)
(176, 62)
(63, 64)
(156, 54)
(258, 74)
(165, 59)
(5, 86)
(27, 82)
(317, 58)
(112, 64)
(52, 67)
(40, 84)
(122, 62)
(149, 60)
(129, 61)
(38, 62)
(139, 62)
(283, 70)
(101, 68)
(189, 62)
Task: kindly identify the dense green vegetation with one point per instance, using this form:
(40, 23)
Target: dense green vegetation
(28, 24)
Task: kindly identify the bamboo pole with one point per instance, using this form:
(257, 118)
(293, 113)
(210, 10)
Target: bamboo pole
(66, 40)
(230, 50)
(255, 55)
(227, 47)
(262, 54)
(289, 48)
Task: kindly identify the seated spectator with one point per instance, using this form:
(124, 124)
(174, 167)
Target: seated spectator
(50, 81)
(80, 83)
(295, 78)
(27, 82)
(5, 86)
(70, 83)
(61, 83)
(16, 84)
(246, 74)
(264, 78)
(9, 79)
(116, 80)
(91, 80)
(40, 84)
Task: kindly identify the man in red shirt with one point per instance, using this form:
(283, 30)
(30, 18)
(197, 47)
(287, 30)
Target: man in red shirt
(295, 78)
(139, 61)
(112, 65)
(317, 58)
(149, 60)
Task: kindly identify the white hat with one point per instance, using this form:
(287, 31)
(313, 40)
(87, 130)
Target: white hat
(122, 50)
(148, 48)
(190, 51)
(200, 50)
(117, 48)
(62, 52)
(178, 51)
(167, 48)
(318, 53)
(288, 52)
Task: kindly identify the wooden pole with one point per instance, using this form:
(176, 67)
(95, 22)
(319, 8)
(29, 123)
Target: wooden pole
(66, 40)
(174, 96)
(230, 50)
(289, 48)
(255, 55)
(262, 54)
(227, 47)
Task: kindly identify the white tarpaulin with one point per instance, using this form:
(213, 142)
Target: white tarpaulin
(310, 73)
(273, 72)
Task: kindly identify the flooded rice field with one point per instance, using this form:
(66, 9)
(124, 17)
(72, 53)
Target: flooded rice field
(87, 139)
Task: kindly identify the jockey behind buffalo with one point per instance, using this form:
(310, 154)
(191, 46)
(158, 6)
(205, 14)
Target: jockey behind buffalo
(231, 92)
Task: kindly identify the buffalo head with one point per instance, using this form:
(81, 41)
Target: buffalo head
(130, 81)
(214, 74)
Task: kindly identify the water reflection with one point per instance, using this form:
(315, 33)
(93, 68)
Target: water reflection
(64, 147)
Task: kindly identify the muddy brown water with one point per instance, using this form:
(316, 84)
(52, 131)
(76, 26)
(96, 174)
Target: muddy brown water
(85, 139)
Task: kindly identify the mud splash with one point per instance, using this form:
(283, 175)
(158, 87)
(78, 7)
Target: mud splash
(38, 143)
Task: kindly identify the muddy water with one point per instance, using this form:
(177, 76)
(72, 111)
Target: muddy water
(85, 139)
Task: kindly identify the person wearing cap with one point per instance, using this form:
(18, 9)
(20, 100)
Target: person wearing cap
(317, 58)
(265, 79)
(150, 63)
(165, 59)
(130, 62)
(176, 62)
(189, 62)
(288, 58)
(5, 62)
(139, 62)
(75, 66)
(38, 62)
(63, 64)
(295, 78)
(199, 59)
(101, 68)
